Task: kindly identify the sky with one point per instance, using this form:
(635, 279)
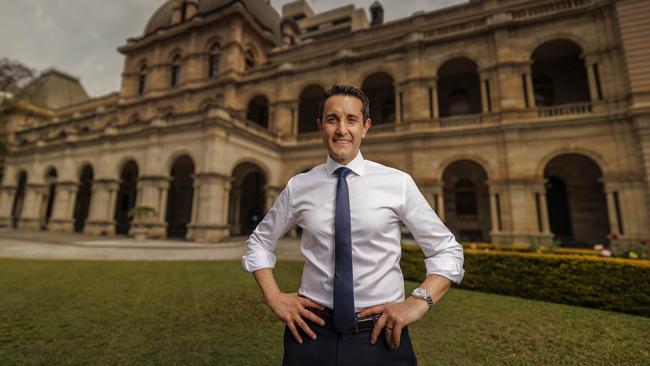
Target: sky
(80, 37)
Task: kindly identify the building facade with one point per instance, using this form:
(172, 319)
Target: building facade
(522, 121)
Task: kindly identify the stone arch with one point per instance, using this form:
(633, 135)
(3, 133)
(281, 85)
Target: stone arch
(596, 157)
(247, 198)
(365, 73)
(581, 42)
(178, 214)
(474, 158)
(308, 102)
(175, 52)
(576, 200)
(467, 200)
(459, 87)
(379, 87)
(258, 163)
(559, 73)
(474, 57)
(173, 156)
(117, 169)
(126, 196)
(84, 195)
(209, 45)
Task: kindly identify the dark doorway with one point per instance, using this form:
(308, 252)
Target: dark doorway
(246, 199)
(576, 201)
(558, 209)
(19, 198)
(126, 197)
(467, 201)
(49, 199)
(179, 198)
(82, 203)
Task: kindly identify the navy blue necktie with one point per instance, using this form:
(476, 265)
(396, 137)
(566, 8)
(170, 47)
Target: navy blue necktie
(344, 316)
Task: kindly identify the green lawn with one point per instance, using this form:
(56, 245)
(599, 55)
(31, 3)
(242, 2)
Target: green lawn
(195, 313)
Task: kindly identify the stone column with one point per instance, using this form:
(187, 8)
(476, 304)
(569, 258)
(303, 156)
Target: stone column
(271, 193)
(62, 213)
(29, 217)
(283, 119)
(209, 224)
(153, 192)
(101, 218)
(524, 224)
(530, 90)
(539, 192)
(234, 201)
(591, 77)
(484, 93)
(7, 197)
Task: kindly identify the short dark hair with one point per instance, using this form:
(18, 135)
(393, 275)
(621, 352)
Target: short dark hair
(338, 89)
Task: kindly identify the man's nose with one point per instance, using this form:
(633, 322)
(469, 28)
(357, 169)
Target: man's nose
(342, 128)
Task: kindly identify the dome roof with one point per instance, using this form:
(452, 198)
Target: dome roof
(263, 12)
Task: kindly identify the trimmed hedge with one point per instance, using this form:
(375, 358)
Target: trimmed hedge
(535, 249)
(603, 283)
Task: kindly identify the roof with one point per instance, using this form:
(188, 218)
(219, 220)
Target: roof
(262, 11)
(55, 89)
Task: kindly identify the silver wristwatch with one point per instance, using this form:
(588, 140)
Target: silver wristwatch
(424, 295)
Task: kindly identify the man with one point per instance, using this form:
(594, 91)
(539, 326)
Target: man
(351, 210)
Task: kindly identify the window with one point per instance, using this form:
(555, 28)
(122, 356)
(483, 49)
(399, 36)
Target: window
(175, 71)
(249, 59)
(142, 80)
(213, 61)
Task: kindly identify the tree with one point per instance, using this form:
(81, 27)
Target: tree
(14, 76)
(14, 79)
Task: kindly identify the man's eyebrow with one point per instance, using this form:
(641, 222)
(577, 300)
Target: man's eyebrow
(331, 114)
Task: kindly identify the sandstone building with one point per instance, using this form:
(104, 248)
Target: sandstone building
(522, 121)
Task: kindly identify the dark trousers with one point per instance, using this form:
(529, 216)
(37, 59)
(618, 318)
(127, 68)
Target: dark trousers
(334, 349)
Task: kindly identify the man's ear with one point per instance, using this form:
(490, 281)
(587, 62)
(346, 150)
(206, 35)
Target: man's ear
(319, 125)
(366, 127)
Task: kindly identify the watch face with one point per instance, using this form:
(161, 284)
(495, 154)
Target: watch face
(420, 292)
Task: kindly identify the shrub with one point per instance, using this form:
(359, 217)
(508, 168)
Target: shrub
(602, 283)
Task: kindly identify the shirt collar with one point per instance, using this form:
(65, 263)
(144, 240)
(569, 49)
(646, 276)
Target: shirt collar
(356, 165)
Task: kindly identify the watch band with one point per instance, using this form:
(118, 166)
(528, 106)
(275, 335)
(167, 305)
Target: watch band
(424, 295)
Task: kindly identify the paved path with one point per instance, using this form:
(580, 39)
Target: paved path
(24, 244)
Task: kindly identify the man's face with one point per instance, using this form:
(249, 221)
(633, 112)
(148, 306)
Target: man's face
(343, 127)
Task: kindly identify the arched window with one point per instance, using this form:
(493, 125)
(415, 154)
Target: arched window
(249, 59)
(175, 71)
(308, 108)
(258, 111)
(380, 89)
(559, 73)
(142, 80)
(465, 195)
(213, 61)
(459, 87)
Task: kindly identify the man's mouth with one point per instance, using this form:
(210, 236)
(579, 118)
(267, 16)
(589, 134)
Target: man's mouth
(342, 141)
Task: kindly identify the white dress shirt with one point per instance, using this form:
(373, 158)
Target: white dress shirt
(381, 198)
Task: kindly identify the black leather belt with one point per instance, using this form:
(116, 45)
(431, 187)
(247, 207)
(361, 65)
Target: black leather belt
(364, 324)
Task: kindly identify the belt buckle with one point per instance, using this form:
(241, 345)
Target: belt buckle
(368, 319)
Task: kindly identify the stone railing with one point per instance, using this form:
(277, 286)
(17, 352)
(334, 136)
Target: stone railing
(464, 120)
(564, 110)
(550, 8)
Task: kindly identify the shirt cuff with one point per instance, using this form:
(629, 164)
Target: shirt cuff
(446, 268)
(258, 260)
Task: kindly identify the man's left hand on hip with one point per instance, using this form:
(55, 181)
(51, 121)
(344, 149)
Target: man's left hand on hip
(394, 317)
